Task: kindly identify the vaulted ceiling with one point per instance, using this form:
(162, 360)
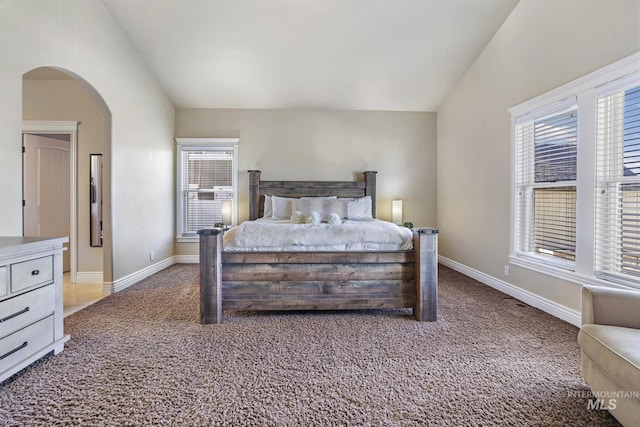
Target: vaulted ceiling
(398, 55)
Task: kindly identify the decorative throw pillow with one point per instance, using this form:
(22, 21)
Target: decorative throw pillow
(298, 218)
(334, 218)
(313, 218)
(324, 206)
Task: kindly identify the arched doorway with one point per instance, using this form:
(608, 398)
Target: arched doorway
(53, 100)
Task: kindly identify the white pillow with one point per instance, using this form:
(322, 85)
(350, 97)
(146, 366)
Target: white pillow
(319, 197)
(268, 207)
(359, 209)
(282, 208)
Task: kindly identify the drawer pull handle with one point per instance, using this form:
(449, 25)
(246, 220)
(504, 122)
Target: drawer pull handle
(11, 316)
(24, 344)
(35, 272)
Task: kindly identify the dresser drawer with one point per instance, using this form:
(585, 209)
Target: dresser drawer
(31, 273)
(25, 342)
(24, 309)
(4, 282)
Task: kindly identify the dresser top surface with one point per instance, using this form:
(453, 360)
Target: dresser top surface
(9, 244)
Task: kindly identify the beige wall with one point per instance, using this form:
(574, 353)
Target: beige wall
(534, 51)
(81, 37)
(330, 145)
(69, 100)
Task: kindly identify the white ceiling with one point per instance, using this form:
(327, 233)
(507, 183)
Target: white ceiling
(400, 55)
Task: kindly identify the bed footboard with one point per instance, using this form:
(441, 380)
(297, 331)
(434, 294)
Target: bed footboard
(318, 280)
(210, 275)
(425, 245)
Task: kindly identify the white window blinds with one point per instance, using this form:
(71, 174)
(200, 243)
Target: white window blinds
(205, 178)
(546, 160)
(618, 186)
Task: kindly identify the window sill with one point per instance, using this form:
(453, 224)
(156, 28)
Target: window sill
(564, 273)
(194, 239)
(545, 266)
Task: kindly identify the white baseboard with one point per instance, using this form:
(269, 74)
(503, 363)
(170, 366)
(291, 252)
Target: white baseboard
(133, 278)
(89, 277)
(548, 306)
(187, 259)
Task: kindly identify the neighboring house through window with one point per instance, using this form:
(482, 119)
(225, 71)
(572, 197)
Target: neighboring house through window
(207, 176)
(576, 179)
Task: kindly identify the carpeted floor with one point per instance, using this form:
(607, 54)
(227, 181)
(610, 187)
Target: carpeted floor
(140, 357)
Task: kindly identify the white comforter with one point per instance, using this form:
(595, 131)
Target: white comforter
(282, 235)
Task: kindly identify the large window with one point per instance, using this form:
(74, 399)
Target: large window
(546, 185)
(576, 179)
(206, 184)
(618, 185)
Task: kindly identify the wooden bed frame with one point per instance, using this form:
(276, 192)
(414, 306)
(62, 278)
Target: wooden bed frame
(317, 280)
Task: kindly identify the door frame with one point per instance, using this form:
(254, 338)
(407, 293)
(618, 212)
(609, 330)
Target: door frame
(67, 128)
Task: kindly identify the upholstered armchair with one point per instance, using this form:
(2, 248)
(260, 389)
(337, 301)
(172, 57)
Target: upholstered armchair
(609, 339)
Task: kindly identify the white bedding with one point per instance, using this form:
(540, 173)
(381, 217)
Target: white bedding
(281, 235)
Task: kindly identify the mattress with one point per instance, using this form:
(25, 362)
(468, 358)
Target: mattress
(267, 234)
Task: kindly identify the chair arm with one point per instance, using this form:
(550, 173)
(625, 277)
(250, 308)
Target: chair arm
(608, 306)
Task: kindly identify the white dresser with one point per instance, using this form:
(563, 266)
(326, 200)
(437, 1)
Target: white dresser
(31, 310)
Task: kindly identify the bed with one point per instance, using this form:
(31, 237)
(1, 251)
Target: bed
(316, 280)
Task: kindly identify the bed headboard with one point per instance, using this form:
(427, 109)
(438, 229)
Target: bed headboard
(258, 189)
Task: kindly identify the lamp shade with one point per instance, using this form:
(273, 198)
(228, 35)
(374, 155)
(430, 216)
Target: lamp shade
(226, 212)
(396, 211)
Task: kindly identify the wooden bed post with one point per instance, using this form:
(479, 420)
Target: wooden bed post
(254, 194)
(370, 189)
(210, 275)
(425, 244)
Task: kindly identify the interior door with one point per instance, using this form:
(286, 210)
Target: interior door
(46, 187)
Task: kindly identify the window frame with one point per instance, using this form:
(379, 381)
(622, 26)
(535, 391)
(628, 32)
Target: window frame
(524, 181)
(584, 92)
(609, 181)
(203, 144)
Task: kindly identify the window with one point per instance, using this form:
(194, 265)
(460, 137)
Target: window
(206, 184)
(618, 185)
(546, 150)
(576, 179)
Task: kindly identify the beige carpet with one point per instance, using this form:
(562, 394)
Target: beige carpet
(140, 357)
